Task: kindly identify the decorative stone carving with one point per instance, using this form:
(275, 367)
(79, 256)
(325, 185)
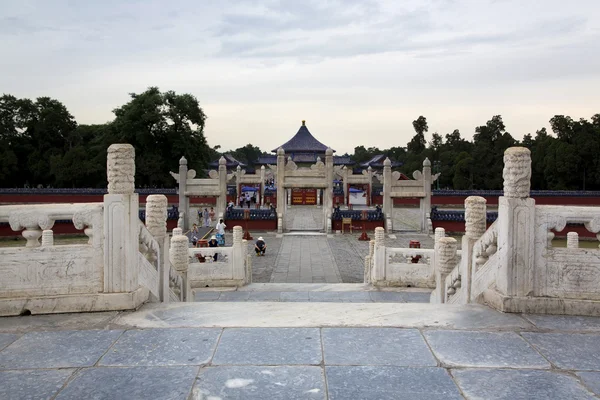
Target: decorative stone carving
(557, 223)
(179, 253)
(180, 221)
(572, 240)
(237, 235)
(156, 215)
(121, 169)
(88, 220)
(475, 216)
(486, 246)
(31, 222)
(456, 284)
(319, 165)
(446, 257)
(177, 231)
(191, 174)
(290, 165)
(379, 237)
(517, 172)
(417, 175)
(439, 233)
(213, 174)
(47, 238)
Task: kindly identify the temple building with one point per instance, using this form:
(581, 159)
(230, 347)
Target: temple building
(232, 163)
(304, 149)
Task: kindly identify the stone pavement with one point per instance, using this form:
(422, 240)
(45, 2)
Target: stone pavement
(304, 218)
(319, 258)
(300, 351)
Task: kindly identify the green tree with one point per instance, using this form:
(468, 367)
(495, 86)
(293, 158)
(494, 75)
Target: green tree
(418, 142)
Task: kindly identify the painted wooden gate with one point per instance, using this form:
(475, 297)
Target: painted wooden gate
(301, 196)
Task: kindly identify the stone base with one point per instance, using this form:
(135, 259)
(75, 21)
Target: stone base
(74, 303)
(541, 305)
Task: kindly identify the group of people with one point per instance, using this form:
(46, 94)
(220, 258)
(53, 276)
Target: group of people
(205, 218)
(247, 199)
(219, 237)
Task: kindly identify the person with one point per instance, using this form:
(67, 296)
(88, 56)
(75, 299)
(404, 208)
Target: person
(242, 200)
(213, 243)
(195, 235)
(260, 247)
(221, 232)
(205, 218)
(211, 215)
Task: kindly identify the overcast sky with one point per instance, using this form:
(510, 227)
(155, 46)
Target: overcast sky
(358, 71)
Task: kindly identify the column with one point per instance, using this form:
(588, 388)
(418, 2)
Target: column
(446, 262)
(572, 240)
(184, 204)
(156, 222)
(378, 269)
(370, 194)
(262, 185)
(179, 258)
(516, 226)
(239, 257)
(475, 227)
(328, 191)
(222, 199)
(426, 201)
(345, 184)
(121, 221)
(280, 189)
(387, 190)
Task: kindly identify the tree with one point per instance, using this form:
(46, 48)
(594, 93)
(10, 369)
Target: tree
(162, 127)
(418, 142)
(247, 154)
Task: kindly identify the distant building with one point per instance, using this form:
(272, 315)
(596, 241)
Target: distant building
(232, 163)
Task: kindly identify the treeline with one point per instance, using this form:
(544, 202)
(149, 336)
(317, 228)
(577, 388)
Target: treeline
(566, 159)
(42, 144)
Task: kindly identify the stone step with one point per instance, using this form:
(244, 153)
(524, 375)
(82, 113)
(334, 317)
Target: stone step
(272, 314)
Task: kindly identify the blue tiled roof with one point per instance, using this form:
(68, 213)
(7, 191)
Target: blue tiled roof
(231, 162)
(303, 142)
(342, 160)
(305, 158)
(377, 162)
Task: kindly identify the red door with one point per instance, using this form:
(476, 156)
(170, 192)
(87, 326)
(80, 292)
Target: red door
(302, 196)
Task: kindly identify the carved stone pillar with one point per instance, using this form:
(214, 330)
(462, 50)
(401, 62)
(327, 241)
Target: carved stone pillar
(446, 260)
(328, 191)
(121, 221)
(239, 270)
(179, 257)
(345, 184)
(32, 223)
(262, 185)
(370, 194)
(183, 200)
(156, 222)
(475, 227)
(516, 226)
(387, 190)
(426, 201)
(222, 199)
(280, 189)
(379, 261)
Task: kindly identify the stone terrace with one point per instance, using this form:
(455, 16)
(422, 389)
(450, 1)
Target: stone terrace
(300, 351)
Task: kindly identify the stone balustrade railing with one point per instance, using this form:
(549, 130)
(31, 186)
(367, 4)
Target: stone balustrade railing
(32, 220)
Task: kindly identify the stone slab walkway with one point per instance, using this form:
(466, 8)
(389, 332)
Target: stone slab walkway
(474, 353)
(304, 218)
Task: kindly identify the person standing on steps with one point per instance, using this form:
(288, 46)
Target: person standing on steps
(211, 215)
(220, 228)
(206, 218)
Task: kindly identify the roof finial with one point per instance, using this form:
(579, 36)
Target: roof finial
(303, 122)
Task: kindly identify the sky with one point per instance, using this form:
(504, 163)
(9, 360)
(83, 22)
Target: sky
(358, 71)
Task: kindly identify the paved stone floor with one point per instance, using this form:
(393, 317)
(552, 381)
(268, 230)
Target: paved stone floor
(184, 353)
(304, 218)
(317, 259)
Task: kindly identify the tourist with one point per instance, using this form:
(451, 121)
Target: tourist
(206, 217)
(260, 247)
(213, 243)
(211, 215)
(220, 228)
(195, 234)
(242, 200)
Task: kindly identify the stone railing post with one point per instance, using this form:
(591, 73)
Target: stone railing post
(184, 204)
(425, 202)
(121, 221)
(179, 258)
(436, 295)
(379, 261)
(572, 240)
(222, 199)
(238, 255)
(446, 262)
(328, 191)
(156, 222)
(262, 184)
(475, 227)
(280, 189)
(47, 238)
(369, 263)
(387, 190)
(516, 226)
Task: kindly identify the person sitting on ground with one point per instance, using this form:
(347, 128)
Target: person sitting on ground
(213, 243)
(260, 247)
